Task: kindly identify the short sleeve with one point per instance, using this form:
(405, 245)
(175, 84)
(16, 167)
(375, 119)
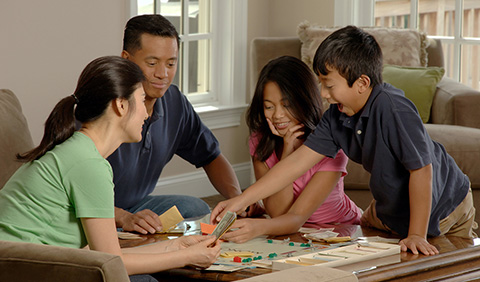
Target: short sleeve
(198, 146)
(89, 186)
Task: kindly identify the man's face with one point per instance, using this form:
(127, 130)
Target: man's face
(157, 57)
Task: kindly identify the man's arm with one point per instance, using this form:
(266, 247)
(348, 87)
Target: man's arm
(144, 222)
(223, 178)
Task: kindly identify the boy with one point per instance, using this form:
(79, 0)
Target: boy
(418, 189)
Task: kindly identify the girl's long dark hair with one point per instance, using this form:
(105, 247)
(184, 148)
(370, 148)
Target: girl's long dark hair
(299, 87)
(103, 80)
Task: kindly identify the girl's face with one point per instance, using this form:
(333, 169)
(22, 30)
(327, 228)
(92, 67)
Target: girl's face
(276, 108)
(137, 118)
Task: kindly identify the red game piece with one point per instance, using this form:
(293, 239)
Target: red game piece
(237, 259)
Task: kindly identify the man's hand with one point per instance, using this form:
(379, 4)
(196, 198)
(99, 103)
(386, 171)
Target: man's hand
(417, 243)
(144, 222)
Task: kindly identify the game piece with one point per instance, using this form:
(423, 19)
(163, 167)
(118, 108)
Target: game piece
(237, 259)
(291, 244)
(270, 241)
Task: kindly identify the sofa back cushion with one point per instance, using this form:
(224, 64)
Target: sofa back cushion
(403, 47)
(14, 134)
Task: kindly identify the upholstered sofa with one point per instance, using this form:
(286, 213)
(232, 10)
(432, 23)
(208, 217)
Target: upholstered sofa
(34, 262)
(454, 119)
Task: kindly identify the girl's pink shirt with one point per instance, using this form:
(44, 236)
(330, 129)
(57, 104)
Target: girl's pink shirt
(337, 208)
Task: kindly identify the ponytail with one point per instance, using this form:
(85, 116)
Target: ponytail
(102, 81)
(60, 126)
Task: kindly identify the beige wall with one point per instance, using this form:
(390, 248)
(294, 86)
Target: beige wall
(45, 45)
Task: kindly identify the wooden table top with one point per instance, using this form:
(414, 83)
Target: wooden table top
(459, 260)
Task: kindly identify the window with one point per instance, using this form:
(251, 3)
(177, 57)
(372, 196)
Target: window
(212, 55)
(455, 22)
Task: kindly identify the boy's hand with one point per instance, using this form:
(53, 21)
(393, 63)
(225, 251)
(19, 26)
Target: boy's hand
(417, 243)
(234, 204)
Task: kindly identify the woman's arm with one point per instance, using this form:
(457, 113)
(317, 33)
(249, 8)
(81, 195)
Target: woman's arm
(314, 194)
(102, 236)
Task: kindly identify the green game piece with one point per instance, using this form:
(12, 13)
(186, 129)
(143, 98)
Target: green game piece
(269, 241)
(291, 244)
(302, 245)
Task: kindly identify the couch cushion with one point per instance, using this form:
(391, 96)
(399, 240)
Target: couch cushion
(33, 262)
(419, 84)
(14, 132)
(403, 47)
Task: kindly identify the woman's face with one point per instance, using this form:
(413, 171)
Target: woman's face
(276, 108)
(137, 118)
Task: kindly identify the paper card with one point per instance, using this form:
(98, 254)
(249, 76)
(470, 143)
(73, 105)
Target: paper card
(170, 218)
(207, 228)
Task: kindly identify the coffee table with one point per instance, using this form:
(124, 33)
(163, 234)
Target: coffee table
(459, 260)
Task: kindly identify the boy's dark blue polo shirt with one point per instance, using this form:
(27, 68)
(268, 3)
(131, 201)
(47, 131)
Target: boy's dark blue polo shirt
(173, 128)
(388, 138)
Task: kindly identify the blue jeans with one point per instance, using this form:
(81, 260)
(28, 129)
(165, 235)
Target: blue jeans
(187, 205)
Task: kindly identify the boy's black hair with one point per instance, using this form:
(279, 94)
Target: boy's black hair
(352, 52)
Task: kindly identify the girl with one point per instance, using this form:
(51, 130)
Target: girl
(63, 194)
(285, 108)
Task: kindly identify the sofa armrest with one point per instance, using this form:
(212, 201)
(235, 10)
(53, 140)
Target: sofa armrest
(456, 104)
(35, 262)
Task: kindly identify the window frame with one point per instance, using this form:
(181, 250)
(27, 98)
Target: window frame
(361, 13)
(226, 104)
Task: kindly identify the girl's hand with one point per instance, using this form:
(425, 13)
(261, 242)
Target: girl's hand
(248, 228)
(291, 139)
(202, 254)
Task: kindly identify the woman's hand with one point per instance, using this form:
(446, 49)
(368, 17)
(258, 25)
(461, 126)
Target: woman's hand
(202, 254)
(248, 228)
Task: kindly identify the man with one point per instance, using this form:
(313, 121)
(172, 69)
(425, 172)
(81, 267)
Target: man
(173, 127)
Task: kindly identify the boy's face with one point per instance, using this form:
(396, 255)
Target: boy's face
(335, 89)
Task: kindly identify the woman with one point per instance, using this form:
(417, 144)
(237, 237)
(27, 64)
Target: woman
(63, 194)
(285, 108)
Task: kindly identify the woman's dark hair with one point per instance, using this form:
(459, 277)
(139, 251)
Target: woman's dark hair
(299, 87)
(352, 52)
(103, 80)
(150, 24)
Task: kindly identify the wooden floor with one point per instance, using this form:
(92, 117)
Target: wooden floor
(212, 201)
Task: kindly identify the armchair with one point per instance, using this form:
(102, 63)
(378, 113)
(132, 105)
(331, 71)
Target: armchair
(34, 262)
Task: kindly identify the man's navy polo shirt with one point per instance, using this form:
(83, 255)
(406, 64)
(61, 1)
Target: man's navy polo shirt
(173, 128)
(388, 138)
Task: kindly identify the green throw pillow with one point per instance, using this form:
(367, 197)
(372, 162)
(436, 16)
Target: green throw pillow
(419, 84)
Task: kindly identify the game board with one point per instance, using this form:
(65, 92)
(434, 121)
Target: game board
(346, 255)
(262, 251)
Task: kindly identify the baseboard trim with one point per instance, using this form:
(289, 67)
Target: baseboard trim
(197, 184)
